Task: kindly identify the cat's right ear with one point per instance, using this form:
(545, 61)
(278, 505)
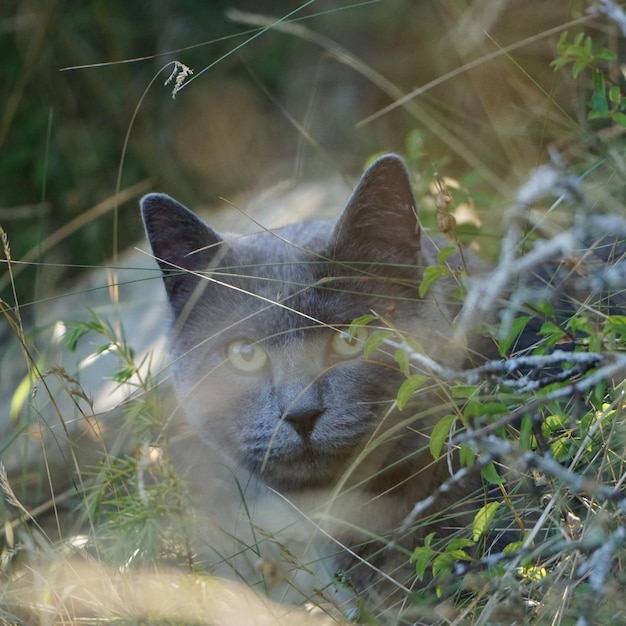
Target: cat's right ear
(180, 241)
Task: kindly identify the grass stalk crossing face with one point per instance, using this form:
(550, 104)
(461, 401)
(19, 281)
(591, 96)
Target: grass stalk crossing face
(269, 371)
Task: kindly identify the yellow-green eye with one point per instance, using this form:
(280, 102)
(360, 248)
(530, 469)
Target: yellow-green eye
(345, 344)
(246, 356)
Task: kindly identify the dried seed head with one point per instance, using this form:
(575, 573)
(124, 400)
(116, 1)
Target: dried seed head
(443, 200)
(445, 222)
(179, 74)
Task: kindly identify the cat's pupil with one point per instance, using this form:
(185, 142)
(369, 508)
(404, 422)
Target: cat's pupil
(346, 337)
(348, 344)
(246, 352)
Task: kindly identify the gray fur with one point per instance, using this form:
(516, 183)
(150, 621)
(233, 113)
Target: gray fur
(292, 291)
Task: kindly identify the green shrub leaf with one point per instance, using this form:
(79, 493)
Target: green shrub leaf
(408, 388)
(483, 519)
(440, 434)
(491, 475)
(431, 275)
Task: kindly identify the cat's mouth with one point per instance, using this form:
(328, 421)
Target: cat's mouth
(302, 466)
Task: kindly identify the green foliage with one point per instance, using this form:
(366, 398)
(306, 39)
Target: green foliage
(515, 330)
(139, 503)
(431, 275)
(579, 52)
(440, 434)
(440, 561)
(375, 340)
(608, 100)
(408, 389)
(135, 505)
(483, 519)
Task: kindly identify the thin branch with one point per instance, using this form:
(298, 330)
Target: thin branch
(609, 9)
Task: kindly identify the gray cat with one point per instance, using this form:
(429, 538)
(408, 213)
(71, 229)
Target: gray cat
(267, 371)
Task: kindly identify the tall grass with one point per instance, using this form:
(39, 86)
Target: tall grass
(100, 476)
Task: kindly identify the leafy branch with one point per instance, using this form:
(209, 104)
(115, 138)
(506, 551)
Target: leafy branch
(606, 102)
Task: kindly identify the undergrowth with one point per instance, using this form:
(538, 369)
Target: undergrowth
(114, 540)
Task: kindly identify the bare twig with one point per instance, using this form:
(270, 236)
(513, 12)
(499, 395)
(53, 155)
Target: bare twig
(485, 291)
(502, 371)
(498, 448)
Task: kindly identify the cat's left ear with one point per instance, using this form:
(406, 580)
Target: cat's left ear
(180, 241)
(379, 223)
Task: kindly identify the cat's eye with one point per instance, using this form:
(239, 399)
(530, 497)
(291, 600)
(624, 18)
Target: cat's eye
(247, 356)
(349, 344)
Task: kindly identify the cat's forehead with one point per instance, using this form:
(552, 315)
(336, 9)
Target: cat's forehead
(292, 243)
(268, 283)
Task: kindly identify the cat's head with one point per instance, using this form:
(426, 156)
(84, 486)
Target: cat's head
(262, 361)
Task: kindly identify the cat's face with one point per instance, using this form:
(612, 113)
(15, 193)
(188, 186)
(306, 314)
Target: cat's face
(262, 361)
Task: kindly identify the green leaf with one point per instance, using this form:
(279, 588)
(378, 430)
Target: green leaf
(408, 388)
(402, 359)
(457, 555)
(599, 394)
(422, 555)
(431, 275)
(483, 519)
(467, 456)
(604, 55)
(442, 565)
(595, 115)
(620, 118)
(615, 94)
(579, 66)
(375, 340)
(444, 254)
(512, 547)
(551, 331)
(615, 324)
(562, 44)
(105, 347)
(580, 324)
(517, 326)
(74, 335)
(478, 408)
(560, 449)
(544, 307)
(123, 375)
(559, 63)
(525, 433)
(463, 391)
(491, 475)
(440, 434)
(459, 543)
(23, 390)
(599, 103)
(358, 323)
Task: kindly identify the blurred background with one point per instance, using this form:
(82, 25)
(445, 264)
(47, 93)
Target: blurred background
(85, 114)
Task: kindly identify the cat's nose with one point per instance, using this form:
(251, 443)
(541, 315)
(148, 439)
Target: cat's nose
(303, 421)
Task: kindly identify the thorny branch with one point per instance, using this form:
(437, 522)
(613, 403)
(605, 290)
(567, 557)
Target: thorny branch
(598, 565)
(484, 291)
(503, 371)
(493, 448)
(497, 448)
(529, 373)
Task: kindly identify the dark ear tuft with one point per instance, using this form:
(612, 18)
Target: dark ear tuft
(180, 241)
(379, 223)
